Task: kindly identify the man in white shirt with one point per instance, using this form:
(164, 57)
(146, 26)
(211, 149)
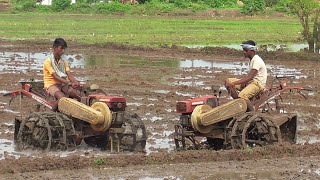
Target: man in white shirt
(254, 82)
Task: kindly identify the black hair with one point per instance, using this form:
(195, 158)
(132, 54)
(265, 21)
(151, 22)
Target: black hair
(250, 42)
(60, 42)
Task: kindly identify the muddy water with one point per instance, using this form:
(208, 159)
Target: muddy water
(155, 103)
(22, 62)
(267, 47)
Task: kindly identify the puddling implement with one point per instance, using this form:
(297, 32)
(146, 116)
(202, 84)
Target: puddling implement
(228, 125)
(99, 120)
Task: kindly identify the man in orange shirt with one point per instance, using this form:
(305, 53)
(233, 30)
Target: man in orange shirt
(58, 80)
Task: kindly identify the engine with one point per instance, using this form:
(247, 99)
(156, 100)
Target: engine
(114, 103)
(185, 108)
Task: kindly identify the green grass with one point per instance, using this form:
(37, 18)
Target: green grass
(152, 31)
(99, 162)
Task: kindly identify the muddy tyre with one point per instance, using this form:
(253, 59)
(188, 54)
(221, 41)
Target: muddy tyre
(45, 131)
(134, 137)
(254, 129)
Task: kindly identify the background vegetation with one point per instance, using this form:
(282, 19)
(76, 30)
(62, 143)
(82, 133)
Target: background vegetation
(155, 31)
(307, 12)
(250, 7)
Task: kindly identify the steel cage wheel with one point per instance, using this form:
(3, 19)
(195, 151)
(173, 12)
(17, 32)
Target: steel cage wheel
(260, 130)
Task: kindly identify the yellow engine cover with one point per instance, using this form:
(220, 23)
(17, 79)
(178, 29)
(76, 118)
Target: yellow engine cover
(203, 116)
(195, 119)
(224, 112)
(98, 115)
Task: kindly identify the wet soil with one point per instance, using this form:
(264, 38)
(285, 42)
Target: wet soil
(152, 92)
(282, 168)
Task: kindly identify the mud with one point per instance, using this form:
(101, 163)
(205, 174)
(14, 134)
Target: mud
(152, 80)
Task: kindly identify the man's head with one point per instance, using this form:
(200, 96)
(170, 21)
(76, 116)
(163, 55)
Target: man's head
(249, 49)
(59, 46)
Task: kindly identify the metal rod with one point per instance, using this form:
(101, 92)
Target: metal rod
(118, 145)
(111, 144)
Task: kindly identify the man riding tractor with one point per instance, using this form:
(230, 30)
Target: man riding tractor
(58, 81)
(254, 82)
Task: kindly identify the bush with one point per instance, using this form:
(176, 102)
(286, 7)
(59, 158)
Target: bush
(81, 8)
(143, 1)
(283, 6)
(148, 6)
(182, 3)
(87, 1)
(60, 5)
(25, 5)
(271, 3)
(252, 7)
(154, 7)
(44, 9)
(114, 7)
(198, 7)
(214, 3)
(160, 7)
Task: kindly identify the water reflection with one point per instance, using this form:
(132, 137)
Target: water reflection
(12, 62)
(264, 174)
(7, 149)
(307, 139)
(159, 141)
(128, 61)
(264, 47)
(236, 68)
(198, 63)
